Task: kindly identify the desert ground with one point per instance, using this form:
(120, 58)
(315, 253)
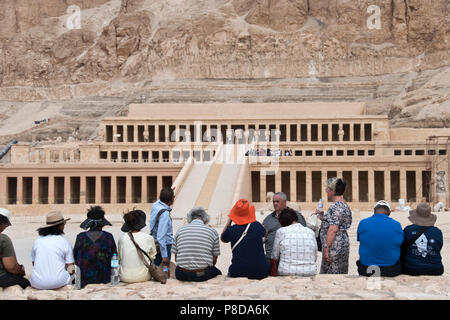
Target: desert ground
(351, 286)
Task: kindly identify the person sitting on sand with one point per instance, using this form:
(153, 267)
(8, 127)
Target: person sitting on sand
(294, 251)
(422, 244)
(246, 237)
(11, 272)
(94, 248)
(131, 267)
(52, 255)
(272, 224)
(196, 248)
(380, 240)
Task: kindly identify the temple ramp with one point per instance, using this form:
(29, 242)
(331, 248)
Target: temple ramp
(188, 190)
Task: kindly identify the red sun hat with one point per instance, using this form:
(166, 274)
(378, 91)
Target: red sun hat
(242, 212)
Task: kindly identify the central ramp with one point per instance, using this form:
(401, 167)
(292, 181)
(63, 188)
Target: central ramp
(214, 185)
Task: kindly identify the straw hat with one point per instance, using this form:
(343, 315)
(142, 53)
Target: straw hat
(5, 212)
(54, 218)
(422, 216)
(242, 212)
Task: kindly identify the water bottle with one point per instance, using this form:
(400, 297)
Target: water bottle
(320, 205)
(77, 277)
(166, 271)
(114, 270)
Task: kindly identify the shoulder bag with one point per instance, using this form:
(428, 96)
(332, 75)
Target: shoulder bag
(154, 231)
(242, 237)
(156, 272)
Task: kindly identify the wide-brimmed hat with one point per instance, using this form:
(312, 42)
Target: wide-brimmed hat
(54, 218)
(5, 212)
(242, 212)
(95, 218)
(422, 215)
(138, 224)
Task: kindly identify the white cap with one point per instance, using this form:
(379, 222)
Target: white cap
(5, 212)
(382, 203)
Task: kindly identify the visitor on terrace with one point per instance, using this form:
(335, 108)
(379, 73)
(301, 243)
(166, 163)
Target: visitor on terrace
(380, 239)
(294, 251)
(422, 244)
(272, 224)
(246, 237)
(196, 248)
(94, 248)
(11, 272)
(52, 255)
(333, 231)
(132, 265)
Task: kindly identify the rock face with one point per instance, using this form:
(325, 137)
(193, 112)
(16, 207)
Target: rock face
(127, 44)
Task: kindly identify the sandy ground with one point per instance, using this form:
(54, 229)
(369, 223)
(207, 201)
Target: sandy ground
(351, 286)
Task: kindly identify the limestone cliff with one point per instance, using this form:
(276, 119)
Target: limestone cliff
(125, 48)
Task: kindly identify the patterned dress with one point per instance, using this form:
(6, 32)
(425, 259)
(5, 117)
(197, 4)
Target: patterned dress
(338, 214)
(93, 256)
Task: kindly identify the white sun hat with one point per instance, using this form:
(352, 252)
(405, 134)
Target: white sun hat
(5, 212)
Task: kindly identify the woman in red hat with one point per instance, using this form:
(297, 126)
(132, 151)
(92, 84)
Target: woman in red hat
(246, 237)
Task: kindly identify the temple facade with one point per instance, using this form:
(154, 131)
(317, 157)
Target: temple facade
(259, 148)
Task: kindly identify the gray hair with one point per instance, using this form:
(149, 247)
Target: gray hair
(282, 195)
(198, 213)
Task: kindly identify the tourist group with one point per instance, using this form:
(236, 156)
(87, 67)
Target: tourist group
(283, 245)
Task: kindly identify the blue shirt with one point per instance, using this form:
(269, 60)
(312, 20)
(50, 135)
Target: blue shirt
(249, 259)
(164, 234)
(380, 238)
(425, 252)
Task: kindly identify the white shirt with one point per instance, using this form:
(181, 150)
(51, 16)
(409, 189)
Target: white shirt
(131, 267)
(296, 248)
(50, 254)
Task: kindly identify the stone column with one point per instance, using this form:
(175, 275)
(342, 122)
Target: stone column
(35, 190)
(319, 132)
(308, 185)
(387, 186)
(263, 179)
(83, 189)
(144, 189)
(135, 133)
(156, 133)
(158, 184)
(19, 190)
(308, 131)
(288, 132)
(419, 186)
(324, 185)
(403, 184)
(278, 180)
(98, 189)
(352, 131)
(113, 189)
(177, 133)
(114, 133)
(167, 133)
(371, 183)
(293, 183)
(66, 189)
(330, 132)
(128, 189)
(125, 133)
(355, 187)
(341, 133)
(51, 189)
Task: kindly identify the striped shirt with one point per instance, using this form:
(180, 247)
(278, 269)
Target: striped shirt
(195, 245)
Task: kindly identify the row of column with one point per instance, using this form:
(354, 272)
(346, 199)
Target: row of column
(419, 184)
(96, 189)
(309, 132)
